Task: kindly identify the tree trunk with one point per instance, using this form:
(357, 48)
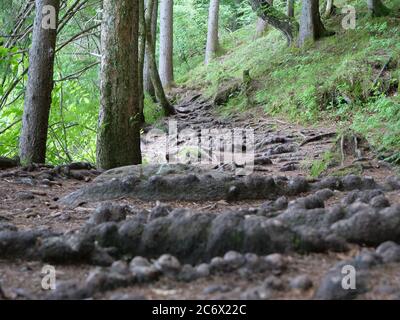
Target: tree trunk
(276, 19)
(377, 8)
(40, 83)
(166, 43)
(212, 35)
(155, 77)
(328, 8)
(290, 8)
(142, 47)
(147, 84)
(6, 163)
(260, 28)
(118, 139)
(311, 26)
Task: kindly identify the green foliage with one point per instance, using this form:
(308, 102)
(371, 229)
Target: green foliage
(190, 30)
(320, 166)
(332, 80)
(74, 110)
(152, 111)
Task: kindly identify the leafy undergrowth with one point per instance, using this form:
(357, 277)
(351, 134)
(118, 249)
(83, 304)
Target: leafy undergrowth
(340, 79)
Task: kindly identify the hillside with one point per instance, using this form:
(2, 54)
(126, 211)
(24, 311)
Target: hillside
(350, 79)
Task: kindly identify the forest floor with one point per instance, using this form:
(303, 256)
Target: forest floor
(30, 200)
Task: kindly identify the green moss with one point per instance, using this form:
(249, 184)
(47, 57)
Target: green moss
(152, 111)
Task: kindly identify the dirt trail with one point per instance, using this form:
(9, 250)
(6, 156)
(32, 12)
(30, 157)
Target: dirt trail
(29, 200)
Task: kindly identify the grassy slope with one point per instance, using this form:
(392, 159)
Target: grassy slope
(331, 80)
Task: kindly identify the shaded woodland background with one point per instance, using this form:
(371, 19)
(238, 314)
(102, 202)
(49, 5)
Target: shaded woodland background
(350, 77)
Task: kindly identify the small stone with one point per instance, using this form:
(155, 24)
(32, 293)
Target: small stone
(142, 270)
(100, 280)
(233, 193)
(351, 182)
(302, 282)
(56, 250)
(309, 202)
(139, 262)
(380, 202)
(386, 288)
(214, 288)
(389, 251)
(275, 261)
(253, 262)
(273, 283)
(203, 270)
(330, 287)
(234, 260)
(160, 210)
(297, 185)
(127, 296)
(168, 264)
(331, 182)
(366, 260)
(257, 293)
(218, 264)
(393, 182)
(70, 290)
(24, 195)
(325, 194)
(107, 212)
(187, 273)
(120, 267)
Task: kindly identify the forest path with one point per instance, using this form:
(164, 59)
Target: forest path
(36, 229)
(280, 146)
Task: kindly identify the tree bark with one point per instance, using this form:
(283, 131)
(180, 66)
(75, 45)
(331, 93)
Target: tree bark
(330, 9)
(147, 83)
(40, 84)
(377, 8)
(118, 139)
(155, 76)
(260, 28)
(142, 47)
(212, 35)
(166, 43)
(311, 26)
(276, 19)
(290, 8)
(6, 163)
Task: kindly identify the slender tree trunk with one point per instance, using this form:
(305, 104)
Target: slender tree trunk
(261, 26)
(40, 83)
(147, 83)
(311, 26)
(166, 43)
(290, 8)
(155, 77)
(142, 47)
(212, 35)
(118, 140)
(276, 19)
(377, 8)
(328, 8)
